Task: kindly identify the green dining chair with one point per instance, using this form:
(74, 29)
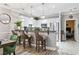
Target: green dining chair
(10, 49)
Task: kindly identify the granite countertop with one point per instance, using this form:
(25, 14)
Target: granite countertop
(33, 31)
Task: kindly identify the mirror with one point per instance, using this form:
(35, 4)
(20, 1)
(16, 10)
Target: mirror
(5, 18)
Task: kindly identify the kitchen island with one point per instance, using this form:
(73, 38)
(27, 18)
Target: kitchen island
(50, 39)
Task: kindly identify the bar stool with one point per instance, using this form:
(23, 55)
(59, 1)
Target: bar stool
(25, 39)
(40, 43)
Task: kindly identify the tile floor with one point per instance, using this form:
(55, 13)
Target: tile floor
(69, 47)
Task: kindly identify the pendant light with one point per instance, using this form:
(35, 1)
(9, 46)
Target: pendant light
(31, 12)
(43, 16)
(71, 16)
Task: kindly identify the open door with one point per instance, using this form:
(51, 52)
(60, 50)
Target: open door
(70, 28)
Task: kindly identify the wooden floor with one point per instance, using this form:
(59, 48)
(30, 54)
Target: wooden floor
(65, 48)
(30, 51)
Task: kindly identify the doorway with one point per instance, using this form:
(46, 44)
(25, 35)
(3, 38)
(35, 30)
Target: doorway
(70, 28)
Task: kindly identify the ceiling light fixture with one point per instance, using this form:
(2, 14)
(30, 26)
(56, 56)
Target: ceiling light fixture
(70, 11)
(31, 17)
(71, 16)
(31, 13)
(43, 16)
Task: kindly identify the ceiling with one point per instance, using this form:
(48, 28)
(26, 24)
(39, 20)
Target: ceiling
(48, 9)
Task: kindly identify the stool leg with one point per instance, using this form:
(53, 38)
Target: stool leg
(45, 45)
(24, 43)
(29, 41)
(42, 45)
(36, 45)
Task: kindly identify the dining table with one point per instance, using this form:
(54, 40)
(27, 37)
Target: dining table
(7, 42)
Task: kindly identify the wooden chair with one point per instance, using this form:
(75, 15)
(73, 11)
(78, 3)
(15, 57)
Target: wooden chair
(40, 43)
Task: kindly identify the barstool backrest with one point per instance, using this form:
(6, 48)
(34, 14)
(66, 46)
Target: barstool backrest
(38, 37)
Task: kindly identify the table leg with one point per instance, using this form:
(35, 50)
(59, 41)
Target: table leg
(13, 53)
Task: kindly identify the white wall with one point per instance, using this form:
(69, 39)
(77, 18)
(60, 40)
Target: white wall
(6, 28)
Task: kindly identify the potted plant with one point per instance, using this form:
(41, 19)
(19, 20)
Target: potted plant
(18, 24)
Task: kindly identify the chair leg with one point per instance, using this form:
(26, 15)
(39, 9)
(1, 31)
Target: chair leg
(4, 53)
(14, 53)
